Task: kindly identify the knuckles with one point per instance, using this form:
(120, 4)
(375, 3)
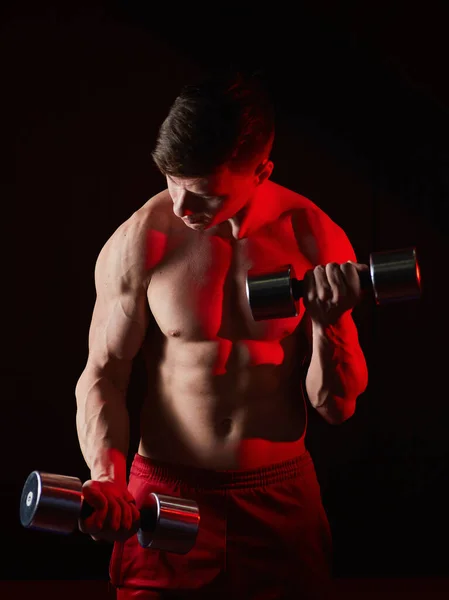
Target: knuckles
(115, 516)
(331, 290)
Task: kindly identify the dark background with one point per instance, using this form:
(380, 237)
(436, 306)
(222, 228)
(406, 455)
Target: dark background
(362, 103)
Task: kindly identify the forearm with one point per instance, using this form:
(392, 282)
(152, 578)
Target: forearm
(102, 423)
(337, 373)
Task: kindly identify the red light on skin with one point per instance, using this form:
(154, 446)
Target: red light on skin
(156, 246)
(264, 353)
(223, 354)
(251, 353)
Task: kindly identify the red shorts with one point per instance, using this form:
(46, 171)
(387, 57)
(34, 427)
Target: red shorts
(263, 535)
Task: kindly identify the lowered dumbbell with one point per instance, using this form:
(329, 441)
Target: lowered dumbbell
(54, 503)
(393, 276)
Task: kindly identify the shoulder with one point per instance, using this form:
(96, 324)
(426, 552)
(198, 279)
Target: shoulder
(319, 237)
(128, 254)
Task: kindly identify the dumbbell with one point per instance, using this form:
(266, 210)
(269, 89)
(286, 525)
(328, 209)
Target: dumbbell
(393, 276)
(54, 503)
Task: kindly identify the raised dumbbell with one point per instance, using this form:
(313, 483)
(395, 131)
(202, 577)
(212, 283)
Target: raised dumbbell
(54, 503)
(393, 276)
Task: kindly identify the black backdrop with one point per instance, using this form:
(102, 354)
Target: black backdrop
(363, 119)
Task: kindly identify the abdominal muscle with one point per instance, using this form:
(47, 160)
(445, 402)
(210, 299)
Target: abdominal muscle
(210, 405)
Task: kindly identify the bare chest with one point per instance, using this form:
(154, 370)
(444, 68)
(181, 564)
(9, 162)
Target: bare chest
(198, 290)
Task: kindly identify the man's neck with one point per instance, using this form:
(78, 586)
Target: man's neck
(236, 228)
(245, 222)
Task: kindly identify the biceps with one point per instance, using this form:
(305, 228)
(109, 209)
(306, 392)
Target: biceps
(339, 249)
(323, 241)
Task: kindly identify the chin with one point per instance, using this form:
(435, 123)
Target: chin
(197, 225)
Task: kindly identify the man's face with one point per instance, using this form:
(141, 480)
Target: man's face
(204, 202)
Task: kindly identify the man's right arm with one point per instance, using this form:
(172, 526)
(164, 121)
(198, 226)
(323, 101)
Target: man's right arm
(117, 330)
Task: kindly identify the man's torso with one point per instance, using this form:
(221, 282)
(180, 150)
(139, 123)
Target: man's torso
(224, 391)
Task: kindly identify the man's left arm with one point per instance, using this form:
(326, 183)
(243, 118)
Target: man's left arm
(337, 374)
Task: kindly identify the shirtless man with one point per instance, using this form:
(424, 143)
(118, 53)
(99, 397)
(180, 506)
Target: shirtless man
(225, 417)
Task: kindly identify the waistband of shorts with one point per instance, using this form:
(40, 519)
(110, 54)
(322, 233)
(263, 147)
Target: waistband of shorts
(214, 480)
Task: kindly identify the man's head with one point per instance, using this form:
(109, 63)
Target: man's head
(214, 146)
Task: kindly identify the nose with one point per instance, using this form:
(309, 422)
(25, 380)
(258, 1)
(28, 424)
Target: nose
(182, 205)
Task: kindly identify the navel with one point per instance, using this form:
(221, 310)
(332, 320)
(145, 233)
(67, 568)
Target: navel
(223, 428)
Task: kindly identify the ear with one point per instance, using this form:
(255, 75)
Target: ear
(263, 171)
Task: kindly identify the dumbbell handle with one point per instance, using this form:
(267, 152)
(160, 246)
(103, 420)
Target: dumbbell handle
(366, 282)
(54, 503)
(392, 275)
(148, 516)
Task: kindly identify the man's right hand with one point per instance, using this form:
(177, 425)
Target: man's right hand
(115, 517)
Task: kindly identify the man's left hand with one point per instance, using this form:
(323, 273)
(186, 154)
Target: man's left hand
(331, 290)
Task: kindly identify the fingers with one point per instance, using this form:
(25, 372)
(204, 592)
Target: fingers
(350, 272)
(323, 290)
(331, 290)
(115, 516)
(99, 502)
(358, 266)
(121, 516)
(336, 281)
(327, 284)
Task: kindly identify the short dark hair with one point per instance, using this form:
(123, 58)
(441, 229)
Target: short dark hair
(224, 119)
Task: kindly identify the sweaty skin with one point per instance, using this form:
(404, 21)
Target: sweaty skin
(224, 391)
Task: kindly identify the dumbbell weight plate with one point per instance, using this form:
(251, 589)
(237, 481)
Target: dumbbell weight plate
(51, 502)
(395, 275)
(271, 295)
(176, 524)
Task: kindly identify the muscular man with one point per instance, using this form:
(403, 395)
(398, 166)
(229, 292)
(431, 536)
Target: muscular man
(224, 419)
